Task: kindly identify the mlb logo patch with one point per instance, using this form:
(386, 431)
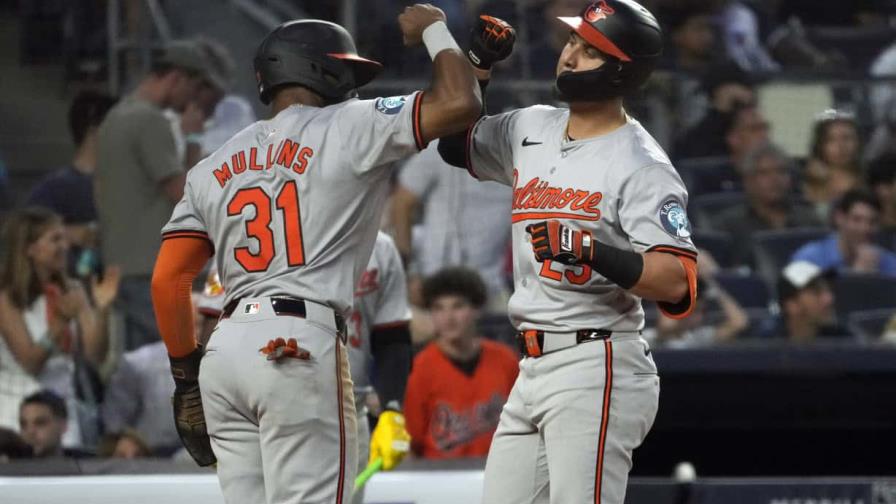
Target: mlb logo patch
(252, 308)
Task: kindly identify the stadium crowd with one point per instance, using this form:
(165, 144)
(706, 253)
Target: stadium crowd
(797, 248)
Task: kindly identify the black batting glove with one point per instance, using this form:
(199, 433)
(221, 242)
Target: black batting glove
(189, 417)
(554, 241)
(491, 40)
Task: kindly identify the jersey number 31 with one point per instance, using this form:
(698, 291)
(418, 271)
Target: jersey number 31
(259, 227)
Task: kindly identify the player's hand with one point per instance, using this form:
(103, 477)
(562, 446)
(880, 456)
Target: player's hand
(390, 440)
(554, 241)
(417, 18)
(189, 417)
(491, 41)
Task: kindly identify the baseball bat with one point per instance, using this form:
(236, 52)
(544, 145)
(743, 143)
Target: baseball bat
(371, 469)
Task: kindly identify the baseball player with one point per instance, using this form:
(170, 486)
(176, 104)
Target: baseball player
(290, 207)
(378, 333)
(599, 223)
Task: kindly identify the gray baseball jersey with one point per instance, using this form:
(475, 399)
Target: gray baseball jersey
(381, 299)
(574, 416)
(621, 187)
(291, 204)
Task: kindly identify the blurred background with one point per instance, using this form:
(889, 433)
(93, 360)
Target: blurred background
(779, 115)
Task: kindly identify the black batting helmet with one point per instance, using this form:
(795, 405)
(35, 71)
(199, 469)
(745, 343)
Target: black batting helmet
(318, 55)
(629, 37)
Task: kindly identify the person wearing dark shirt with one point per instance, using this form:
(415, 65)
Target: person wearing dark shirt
(68, 191)
(807, 306)
(765, 172)
(882, 183)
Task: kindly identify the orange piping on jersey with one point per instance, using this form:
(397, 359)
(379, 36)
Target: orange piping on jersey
(340, 483)
(690, 270)
(673, 250)
(189, 234)
(524, 216)
(604, 420)
(417, 127)
(180, 260)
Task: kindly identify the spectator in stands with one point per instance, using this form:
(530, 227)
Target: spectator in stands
(851, 248)
(766, 175)
(140, 179)
(12, 446)
(52, 334)
(693, 40)
(882, 183)
(545, 44)
(43, 419)
(459, 382)
(68, 191)
(698, 329)
(726, 90)
(138, 397)
(126, 444)
(833, 167)
(227, 113)
(742, 40)
(446, 198)
(807, 305)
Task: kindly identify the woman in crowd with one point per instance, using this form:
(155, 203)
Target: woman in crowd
(51, 331)
(833, 167)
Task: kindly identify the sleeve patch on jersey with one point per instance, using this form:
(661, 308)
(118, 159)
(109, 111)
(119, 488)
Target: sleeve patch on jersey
(391, 105)
(674, 219)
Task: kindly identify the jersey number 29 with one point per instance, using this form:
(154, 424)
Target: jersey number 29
(260, 226)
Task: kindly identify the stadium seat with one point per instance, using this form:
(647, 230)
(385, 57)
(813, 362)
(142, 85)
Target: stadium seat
(749, 290)
(708, 175)
(717, 243)
(869, 324)
(773, 249)
(861, 292)
(705, 208)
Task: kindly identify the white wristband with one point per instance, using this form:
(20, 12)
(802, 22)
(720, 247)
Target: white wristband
(437, 38)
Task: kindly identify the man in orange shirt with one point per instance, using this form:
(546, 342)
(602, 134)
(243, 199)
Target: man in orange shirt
(459, 382)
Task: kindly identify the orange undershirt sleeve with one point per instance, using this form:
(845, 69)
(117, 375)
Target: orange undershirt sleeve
(179, 262)
(683, 308)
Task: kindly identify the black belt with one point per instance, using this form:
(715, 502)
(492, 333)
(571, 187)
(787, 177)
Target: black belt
(288, 306)
(532, 343)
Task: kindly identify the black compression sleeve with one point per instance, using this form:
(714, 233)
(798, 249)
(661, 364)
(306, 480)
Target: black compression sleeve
(391, 348)
(453, 148)
(622, 267)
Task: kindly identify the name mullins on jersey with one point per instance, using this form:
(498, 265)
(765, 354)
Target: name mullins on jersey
(539, 194)
(287, 155)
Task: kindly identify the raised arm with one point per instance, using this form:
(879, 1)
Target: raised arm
(453, 100)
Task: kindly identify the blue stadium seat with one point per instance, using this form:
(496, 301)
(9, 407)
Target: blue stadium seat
(861, 292)
(869, 324)
(773, 249)
(704, 209)
(708, 175)
(748, 289)
(716, 243)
